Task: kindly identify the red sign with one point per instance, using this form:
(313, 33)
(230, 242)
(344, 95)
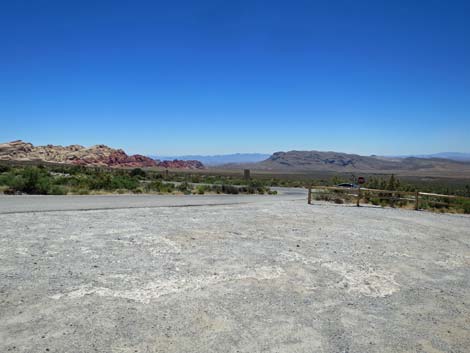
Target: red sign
(361, 180)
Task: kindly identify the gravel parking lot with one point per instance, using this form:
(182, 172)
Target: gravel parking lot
(266, 274)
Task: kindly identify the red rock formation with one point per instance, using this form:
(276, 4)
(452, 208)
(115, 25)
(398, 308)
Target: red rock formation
(99, 155)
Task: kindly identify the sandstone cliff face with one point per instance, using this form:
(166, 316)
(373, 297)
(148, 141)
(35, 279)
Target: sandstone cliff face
(98, 155)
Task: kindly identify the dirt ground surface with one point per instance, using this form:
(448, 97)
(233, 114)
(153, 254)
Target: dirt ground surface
(265, 274)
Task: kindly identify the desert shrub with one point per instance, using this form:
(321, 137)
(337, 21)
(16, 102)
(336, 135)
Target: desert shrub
(61, 180)
(229, 189)
(339, 201)
(184, 187)
(4, 168)
(167, 188)
(216, 188)
(155, 185)
(57, 190)
(138, 172)
(247, 190)
(107, 181)
(366, 196)
(123, 182)
(465, 205)
(82, 192)
(195, 179)
(100, 181)
(323, 197)
(154, 176)
(375, 201)
(7, 179)
(273, 182)
(200, 189)
(402, 203)
(32, 180)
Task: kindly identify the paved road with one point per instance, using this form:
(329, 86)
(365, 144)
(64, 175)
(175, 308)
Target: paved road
(40, 203)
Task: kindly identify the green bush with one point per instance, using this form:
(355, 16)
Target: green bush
(109, 182)
(168, 188)
(138, 172)
(155, 185)
(124, 182)
(32, 180)
(464, 205)
(200, 189)
(57, 190)
(375, 201)
(4, 168)
(184, 187)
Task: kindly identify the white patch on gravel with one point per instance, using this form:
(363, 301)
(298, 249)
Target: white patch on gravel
(368, 282)
(292, 256)
(155, 289)
(453, 262)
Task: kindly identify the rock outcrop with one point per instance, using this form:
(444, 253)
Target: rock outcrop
(98, 155)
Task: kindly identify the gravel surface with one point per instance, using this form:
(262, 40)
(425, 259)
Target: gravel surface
(268, 275)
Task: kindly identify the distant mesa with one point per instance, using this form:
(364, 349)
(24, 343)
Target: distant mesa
(98, 155)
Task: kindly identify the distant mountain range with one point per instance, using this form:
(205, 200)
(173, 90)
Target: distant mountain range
(456, 156)
(221, 159)
(244, 158)
(313, 161)
(449, 164)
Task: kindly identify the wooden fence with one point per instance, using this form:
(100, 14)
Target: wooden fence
(392, 195)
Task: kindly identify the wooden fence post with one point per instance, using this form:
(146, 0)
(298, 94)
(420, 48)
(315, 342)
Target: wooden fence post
(358, 195)
(310, 195)
(417, 200)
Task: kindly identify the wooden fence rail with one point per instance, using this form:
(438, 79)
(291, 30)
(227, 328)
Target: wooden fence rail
(359, 193)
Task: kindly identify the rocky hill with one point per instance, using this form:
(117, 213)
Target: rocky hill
(98, 155)
(344, 162)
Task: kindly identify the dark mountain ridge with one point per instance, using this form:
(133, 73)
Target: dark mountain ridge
(347, 162)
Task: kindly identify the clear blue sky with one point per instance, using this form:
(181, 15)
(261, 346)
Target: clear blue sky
(180, 77)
